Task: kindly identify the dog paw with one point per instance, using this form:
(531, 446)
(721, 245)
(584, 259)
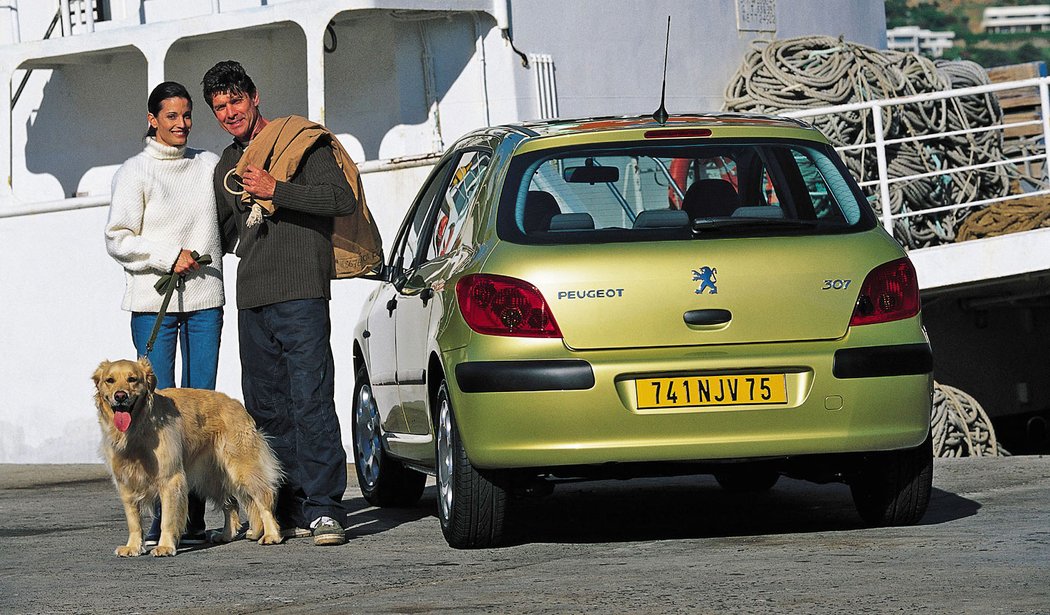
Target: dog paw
(126, 551)
(271, 539)
(252, 534)
(163, 551)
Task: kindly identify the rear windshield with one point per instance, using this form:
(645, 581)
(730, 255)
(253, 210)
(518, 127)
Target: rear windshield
(641, 192)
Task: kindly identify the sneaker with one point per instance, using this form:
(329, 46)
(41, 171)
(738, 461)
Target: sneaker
(194, 537)
(153, 535)
(327, 531)
(296, 532)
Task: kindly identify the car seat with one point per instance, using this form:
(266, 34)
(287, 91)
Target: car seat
(710, 198)
(540, 207)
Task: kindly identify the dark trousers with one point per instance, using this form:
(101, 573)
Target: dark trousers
(288, 380)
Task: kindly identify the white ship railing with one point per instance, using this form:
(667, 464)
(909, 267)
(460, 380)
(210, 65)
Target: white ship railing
(77, 13)
(87, 202)
(880, 144)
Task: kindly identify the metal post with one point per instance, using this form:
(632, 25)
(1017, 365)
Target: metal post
(88, 7)
(63, 8)
(479, 53)
(16, 29)
(315, 76)
(880, 154)
(1044, 100)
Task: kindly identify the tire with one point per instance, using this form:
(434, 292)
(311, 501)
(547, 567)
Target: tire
(893, 488)
(384, 481)
(472, 508)
(747, 479)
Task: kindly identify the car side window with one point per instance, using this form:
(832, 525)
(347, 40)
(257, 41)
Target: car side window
(416, 225)
(451, 209)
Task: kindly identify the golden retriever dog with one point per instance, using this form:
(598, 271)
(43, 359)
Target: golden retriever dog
(162, 444)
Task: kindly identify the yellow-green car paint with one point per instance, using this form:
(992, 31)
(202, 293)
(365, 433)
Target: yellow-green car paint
(619, 306)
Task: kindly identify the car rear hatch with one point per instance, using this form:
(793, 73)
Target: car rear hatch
(699, 292)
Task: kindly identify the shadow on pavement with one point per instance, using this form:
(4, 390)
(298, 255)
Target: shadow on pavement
(698, 508)
(946, 506)
(364, 520)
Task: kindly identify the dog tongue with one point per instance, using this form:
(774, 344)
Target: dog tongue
(122, 420)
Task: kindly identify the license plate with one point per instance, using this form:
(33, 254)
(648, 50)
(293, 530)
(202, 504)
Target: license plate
(698, 391)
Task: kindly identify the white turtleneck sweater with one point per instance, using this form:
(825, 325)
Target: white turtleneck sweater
(164, 202)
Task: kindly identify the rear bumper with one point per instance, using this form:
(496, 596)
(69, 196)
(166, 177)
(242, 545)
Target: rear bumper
(508, 376)
(881, 361)
(577, 374)
(547, 411)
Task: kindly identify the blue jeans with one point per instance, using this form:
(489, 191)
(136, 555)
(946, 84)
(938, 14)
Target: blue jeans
(288, 380)
(198, 339)
(197, 334)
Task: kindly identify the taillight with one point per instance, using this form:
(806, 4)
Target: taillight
(890, 292)
(499, 305)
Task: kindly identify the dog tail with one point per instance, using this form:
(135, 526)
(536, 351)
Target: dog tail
(272, 472)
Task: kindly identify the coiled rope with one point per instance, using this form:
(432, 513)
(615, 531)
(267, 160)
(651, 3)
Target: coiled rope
(820, 71)
(1014, 216)
(960, 427)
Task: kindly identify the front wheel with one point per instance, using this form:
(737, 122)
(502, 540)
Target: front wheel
(384, 481)
(893, 487)
(472, 507)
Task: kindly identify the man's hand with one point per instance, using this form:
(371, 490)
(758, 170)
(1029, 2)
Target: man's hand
(185, 263)
(258, 182)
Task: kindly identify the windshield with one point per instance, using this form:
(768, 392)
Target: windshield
(643, 192)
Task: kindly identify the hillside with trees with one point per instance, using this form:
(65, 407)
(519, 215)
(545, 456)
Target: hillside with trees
(964, 18)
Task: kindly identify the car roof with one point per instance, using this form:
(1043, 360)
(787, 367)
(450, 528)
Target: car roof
(697, 120)
(558, 132)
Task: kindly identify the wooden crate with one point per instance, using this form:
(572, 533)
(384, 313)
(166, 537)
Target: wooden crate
(1016, 72)
(1021, 104)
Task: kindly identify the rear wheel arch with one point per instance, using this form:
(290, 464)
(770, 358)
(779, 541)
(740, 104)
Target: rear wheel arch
(435, 375)
(359, 357)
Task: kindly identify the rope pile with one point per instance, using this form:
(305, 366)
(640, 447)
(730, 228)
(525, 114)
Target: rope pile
(960, 427)
(1014, 216)
(821, 71)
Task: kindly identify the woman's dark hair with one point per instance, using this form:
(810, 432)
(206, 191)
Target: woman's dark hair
(227, 77)
(164, 91)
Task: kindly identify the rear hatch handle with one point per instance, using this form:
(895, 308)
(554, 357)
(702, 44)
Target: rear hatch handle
(707, 318)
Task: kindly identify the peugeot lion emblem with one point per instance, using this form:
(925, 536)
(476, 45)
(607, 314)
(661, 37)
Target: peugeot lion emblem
(706, 277)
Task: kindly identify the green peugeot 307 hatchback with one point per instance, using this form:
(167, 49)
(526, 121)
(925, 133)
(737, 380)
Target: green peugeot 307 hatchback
(618, 297)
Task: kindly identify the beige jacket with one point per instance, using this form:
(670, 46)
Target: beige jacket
(279, 149)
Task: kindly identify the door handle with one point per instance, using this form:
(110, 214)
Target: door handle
(391, 306)
(707, 317)
(426, 295)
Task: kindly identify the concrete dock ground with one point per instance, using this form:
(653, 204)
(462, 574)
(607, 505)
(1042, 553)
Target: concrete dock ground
(676, 545)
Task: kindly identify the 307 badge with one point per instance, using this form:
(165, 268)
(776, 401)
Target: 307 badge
(700, 391)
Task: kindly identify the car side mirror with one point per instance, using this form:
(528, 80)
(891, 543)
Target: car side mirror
(380, 274)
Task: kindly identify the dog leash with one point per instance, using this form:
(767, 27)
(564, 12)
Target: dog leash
(166, 286)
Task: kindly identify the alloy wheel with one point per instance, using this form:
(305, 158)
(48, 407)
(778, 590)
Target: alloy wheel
(444, 461)
(366, 435)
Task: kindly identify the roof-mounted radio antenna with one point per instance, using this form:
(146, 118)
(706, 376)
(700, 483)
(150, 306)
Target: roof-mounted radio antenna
(660, 115)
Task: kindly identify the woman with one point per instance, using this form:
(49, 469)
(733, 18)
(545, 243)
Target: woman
(162, 210)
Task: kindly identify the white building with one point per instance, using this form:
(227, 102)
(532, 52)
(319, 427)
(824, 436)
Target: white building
(919, 40)
(397, 80)
(1006, 19)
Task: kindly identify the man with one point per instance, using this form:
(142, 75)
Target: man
(283, 290)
